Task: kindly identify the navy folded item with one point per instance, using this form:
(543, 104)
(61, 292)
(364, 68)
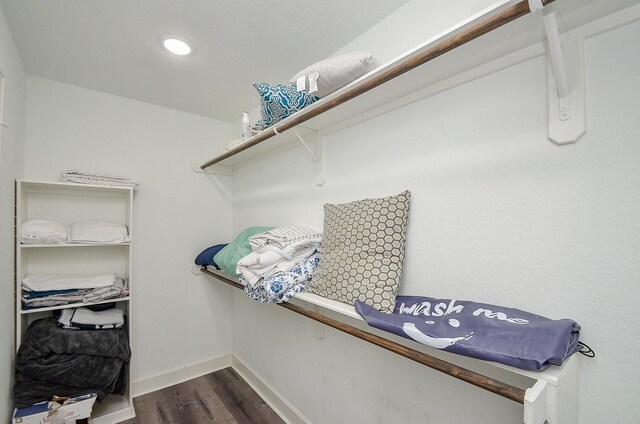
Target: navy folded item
(479, 330)
(32, 294)
(205, 257)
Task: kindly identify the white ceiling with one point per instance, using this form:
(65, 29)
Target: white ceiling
(114, 45)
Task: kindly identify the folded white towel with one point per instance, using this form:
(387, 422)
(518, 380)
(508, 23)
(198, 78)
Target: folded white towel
(257, 266)
(42, 282)
(98, 232)
(43, 231)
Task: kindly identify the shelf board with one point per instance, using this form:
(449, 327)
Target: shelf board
(71, 305)
(47, 185)
(400, 81)
(39, 245)
(550, 374)
(113, 409)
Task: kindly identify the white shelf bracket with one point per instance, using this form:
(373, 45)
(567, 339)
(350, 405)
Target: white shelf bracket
(554, 401)
(213, 169)
(316, 151)
(565, 83)
(318, 329)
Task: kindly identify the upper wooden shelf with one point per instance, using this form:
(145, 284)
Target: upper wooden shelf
(484, 39)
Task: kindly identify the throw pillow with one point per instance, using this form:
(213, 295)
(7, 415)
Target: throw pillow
(363, 251)
(206, 256)
(335, 72)
(277, 101)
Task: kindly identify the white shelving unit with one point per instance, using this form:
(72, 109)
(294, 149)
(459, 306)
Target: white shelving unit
(67, 203)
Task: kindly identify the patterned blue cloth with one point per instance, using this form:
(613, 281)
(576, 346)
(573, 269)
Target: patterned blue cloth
(284, 285)
(277, 101)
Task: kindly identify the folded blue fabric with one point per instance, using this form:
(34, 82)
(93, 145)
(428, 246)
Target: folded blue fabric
(32, 294)
(479, 330)
(205, 257)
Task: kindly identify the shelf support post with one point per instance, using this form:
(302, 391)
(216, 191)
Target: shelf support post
(554, 401)
(565, 83)
(316, 151)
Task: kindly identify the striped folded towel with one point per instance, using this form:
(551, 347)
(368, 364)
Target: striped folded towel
(79, 177)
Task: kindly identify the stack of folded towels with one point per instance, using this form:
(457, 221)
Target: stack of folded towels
(281, 261)
(40, 231)
(44, 290)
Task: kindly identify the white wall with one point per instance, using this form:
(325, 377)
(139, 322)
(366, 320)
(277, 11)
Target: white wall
(178, 318)
(499, 215)
(413, 24)
(11, 164)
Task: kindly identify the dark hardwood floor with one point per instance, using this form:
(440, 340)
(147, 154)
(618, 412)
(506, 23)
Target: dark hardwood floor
(221, 397)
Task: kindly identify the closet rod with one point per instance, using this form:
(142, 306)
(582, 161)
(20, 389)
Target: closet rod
(498, 387)
(508, 15)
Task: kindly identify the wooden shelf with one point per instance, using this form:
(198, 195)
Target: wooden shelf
(495, 38)
(542, 391)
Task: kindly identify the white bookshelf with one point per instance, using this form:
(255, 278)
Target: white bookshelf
(67, 203)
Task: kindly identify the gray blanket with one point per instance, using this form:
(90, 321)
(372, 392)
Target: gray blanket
(57, 361)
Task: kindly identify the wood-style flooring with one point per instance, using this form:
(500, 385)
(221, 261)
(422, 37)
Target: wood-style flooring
(222, 397)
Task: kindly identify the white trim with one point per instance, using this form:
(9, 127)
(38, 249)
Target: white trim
(180, 375)
(535, 5)
(268, 393)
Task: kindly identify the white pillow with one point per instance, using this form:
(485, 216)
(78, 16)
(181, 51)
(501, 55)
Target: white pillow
(335, 72)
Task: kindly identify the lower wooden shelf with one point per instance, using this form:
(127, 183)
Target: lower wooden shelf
(547, 396)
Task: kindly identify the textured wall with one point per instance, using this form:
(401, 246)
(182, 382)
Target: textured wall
(178, 318)
(499, 214)
(11, 164)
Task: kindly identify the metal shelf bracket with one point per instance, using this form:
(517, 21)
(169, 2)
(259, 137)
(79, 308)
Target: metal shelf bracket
(565, 82)
(213, 169)
(315, 149)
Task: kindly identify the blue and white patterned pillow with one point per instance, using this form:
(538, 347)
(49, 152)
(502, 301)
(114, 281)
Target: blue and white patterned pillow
(277, 101)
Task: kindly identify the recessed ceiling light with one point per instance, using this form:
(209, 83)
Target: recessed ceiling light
(177, 45)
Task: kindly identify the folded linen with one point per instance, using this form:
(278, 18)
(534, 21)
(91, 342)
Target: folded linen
(44, 302)
(43, 231)
(86, 319)
(283, 236)
(74, 176)
(282, 286)
(108, 292)
(98, 232)
(30, 294)
(256, 266)
(40, 282)
(46, 298)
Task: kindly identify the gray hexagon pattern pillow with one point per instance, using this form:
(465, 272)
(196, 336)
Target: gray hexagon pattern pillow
(363, 251)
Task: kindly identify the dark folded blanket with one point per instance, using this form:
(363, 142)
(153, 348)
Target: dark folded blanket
(56, 361)
(479, 330)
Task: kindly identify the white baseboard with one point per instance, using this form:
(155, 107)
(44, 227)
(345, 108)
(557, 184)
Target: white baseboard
(179, 375)
(270, 395)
